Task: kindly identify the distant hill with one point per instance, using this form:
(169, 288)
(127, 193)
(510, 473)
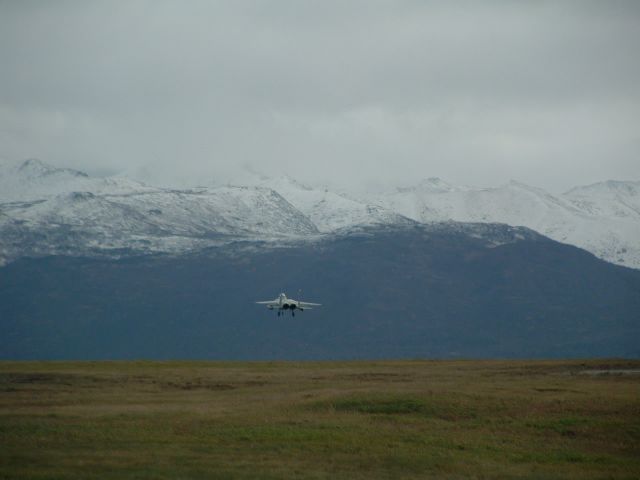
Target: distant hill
(438, 291)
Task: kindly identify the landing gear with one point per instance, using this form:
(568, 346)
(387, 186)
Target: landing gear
(282, 311)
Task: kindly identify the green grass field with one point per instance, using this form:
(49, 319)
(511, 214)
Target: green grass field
(325, 420)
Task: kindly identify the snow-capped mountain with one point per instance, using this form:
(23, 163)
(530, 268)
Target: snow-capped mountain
(44, 210)
(602, 218)
(35, 180)
(608, 199)
(48, 210)
(327, 209)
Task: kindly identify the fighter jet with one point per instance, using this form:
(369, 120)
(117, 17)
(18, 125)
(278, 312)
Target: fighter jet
(282, 304)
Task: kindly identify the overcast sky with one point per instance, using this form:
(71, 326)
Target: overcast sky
(352, 92)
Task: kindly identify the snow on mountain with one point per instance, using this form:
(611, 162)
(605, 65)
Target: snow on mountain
(46, 210)
(52, 210)
(328, 210)
(600, 220)
(509, 204)
(609, 199)
(33, 180)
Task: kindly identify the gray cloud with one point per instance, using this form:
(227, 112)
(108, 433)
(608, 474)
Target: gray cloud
(352, 92)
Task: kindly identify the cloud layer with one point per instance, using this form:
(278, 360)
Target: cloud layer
(360, 92)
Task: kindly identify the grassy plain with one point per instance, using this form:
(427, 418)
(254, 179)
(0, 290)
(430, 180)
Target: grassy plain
(325, 420)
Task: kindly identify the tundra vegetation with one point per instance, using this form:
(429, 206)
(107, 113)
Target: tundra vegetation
(320, 420)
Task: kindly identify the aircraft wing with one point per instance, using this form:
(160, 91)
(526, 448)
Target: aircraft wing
(308, 304)
(271, 303)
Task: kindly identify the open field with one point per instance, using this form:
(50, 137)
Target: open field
(350, 420)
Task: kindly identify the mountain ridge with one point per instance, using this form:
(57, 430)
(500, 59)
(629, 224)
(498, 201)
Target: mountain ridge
(49, 210)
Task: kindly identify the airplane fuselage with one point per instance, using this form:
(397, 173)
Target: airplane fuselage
(287, 303)
(283, 303)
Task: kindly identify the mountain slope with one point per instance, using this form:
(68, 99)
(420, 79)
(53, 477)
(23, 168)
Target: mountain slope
(47, 210)
(609, 199)
(327, 209)
(579, 218)
(81, 223)
(427, 291)
(34, 179)
(57, 211)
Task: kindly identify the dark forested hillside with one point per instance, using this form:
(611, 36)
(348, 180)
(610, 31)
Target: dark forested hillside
(414, 292)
